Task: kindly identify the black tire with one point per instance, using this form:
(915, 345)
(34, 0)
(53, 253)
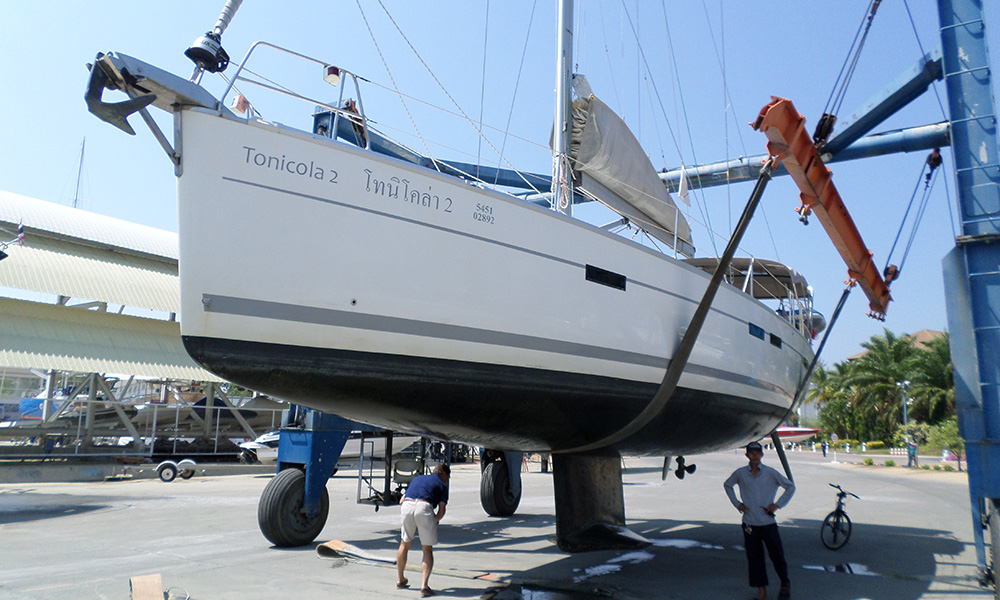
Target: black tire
(187, 474)
(495, 492)
(167, 473)
(836, 530)
(279, 512)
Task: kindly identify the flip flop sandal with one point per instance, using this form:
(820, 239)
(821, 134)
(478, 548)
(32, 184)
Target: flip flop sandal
(426, 592)
(400, 585)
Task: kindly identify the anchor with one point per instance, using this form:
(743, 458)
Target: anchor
(115, 113)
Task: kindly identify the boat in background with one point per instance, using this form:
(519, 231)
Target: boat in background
(794, 435)
(264, 449)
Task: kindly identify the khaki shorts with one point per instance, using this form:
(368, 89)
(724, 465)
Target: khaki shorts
(418, 515)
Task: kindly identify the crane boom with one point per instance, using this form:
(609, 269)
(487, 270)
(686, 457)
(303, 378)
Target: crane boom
(793, 146)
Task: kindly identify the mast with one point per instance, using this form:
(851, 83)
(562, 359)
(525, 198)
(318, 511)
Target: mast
(562, 186)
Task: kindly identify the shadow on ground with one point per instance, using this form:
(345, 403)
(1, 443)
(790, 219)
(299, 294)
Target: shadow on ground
(697, 560)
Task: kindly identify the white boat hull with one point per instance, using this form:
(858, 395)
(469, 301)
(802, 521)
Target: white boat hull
(384, 292)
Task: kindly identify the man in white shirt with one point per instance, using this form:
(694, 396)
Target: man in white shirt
(758, 486)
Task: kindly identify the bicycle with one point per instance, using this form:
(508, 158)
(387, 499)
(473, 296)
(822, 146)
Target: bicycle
(836, 529)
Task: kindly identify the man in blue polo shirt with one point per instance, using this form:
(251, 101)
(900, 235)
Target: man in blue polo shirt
(421, 510)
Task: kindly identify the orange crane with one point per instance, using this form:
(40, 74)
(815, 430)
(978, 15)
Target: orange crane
(789, 142)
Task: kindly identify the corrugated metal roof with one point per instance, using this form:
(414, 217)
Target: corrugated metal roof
(150, 285)
(44, 336)
(46, 219)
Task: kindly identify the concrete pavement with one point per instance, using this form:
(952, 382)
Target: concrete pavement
(912, 539)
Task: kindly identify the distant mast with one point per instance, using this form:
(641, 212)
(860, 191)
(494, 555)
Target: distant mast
(562, 187)
(79, 173)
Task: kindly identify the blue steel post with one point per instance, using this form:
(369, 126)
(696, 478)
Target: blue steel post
(971, 270)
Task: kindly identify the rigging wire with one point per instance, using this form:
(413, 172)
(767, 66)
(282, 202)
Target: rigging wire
(826, 122)
(578, 16)
(918, 218)
(607, 54)
(517, 82)
(950, 204)
(482, 88)
(928, 173)
(645, 63)
(725, 109)
(920, 45)
(944, 114)
(393, 79)
(476, 126)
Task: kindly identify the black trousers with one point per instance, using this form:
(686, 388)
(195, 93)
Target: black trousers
(755, 539)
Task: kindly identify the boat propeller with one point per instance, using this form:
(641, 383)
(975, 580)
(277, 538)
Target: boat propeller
(683, 468)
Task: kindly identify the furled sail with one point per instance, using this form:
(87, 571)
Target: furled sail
(611, 166)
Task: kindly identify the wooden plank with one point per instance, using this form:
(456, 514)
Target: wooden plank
(146, 587)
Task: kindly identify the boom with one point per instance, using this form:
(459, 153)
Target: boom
(788, 140)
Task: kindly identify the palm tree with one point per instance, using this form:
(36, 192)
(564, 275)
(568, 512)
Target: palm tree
(833, 398)
(932, 388)
(874, 375)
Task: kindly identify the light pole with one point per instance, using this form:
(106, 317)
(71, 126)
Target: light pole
(902, 385)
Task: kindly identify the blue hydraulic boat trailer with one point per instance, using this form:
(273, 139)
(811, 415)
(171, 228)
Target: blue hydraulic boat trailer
(295, 504)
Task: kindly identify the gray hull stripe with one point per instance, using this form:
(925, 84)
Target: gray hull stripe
(338, 318)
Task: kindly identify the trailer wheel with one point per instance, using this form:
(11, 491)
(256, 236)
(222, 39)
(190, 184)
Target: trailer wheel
(280, 515)
(187, 468)
(166, 471)
(495, 493)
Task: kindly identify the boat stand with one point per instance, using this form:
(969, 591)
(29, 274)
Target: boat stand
(590, 503)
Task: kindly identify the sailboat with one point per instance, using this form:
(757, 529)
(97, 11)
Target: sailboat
(415, 298)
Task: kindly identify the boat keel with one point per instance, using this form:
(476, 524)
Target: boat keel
(590, 503)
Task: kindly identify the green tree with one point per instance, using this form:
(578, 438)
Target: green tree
(932, 389)
(833, 399)
(878, 407)
(946, 436)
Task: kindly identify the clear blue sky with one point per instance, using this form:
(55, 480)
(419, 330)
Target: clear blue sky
(788, 48)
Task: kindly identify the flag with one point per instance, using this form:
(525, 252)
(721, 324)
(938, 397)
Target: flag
(682, 192)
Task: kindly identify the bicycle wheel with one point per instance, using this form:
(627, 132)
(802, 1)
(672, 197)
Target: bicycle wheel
(836, 530)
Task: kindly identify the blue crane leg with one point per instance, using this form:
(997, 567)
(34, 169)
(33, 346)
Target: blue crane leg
(971, 275)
